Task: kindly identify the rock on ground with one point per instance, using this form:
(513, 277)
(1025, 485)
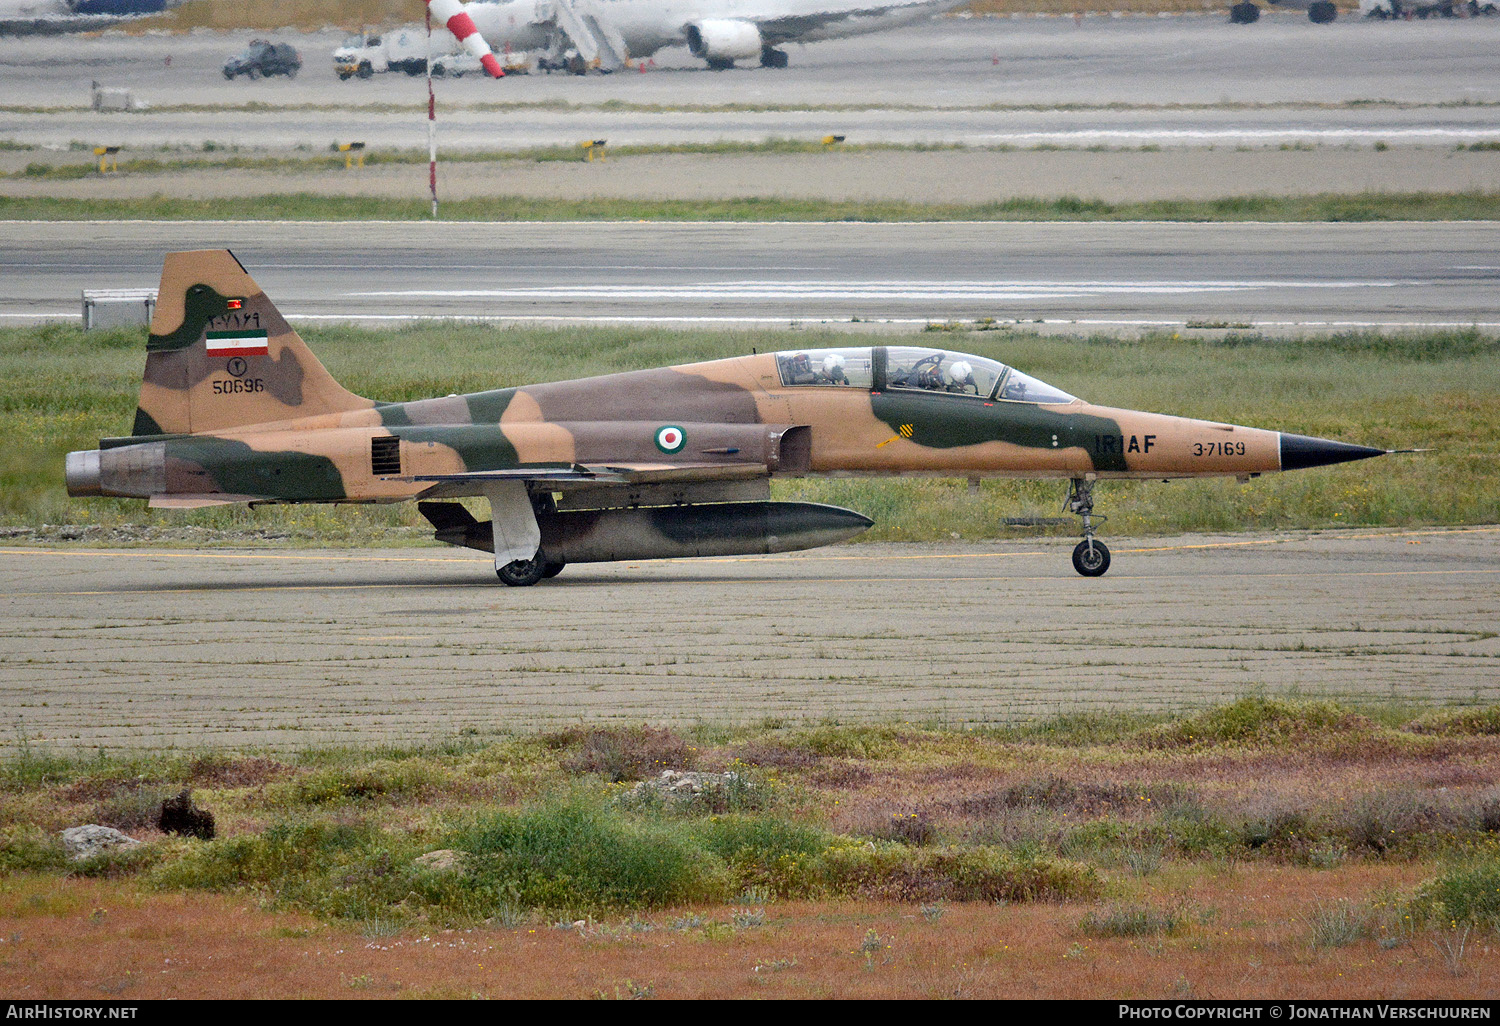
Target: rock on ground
(84, 842)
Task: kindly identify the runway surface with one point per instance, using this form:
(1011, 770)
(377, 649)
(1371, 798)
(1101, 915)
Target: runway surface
(1275, 277)
(468, 128)
(974, 81)
(289, 648)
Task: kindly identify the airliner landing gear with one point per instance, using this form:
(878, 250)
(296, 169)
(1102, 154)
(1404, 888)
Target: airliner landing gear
(1244, 13)
(772, 58)
(1091, 557)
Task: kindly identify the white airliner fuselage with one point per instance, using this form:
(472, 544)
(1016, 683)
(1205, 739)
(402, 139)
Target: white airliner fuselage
(608, 32)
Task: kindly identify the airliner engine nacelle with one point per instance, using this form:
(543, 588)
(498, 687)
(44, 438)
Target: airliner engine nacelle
(722, 40)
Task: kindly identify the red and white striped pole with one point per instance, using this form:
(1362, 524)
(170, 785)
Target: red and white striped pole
(451, 13)
(431, 122)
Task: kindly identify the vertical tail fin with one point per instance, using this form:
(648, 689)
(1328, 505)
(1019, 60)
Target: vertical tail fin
(220, 355)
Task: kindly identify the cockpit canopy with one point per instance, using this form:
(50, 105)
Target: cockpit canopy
(915, 368)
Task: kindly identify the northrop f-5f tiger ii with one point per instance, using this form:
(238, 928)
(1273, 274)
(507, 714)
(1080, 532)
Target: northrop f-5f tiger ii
(647, 464)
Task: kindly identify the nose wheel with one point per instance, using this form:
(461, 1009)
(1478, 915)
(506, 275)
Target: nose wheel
(1091, 557)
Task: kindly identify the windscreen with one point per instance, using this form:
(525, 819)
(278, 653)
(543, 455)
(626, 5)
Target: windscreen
(1024, 388)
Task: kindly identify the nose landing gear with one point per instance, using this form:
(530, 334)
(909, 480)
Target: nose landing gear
(1091, 557)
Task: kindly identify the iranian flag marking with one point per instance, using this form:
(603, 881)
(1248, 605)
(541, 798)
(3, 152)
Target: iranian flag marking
(238, 343)
(670, 438)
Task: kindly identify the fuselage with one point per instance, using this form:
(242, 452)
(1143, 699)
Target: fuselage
(901, 410)
(649, 25)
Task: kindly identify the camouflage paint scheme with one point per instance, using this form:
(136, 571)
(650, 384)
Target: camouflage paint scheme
(273, 426)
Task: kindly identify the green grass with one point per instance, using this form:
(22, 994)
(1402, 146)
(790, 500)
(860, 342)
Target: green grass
(1133, 921)
(232, 158)
(1257, 720)
(340, 833)
(575, 853)
(572, 852)
(64, 389)
(1422, 206)
(1337, 924)
(1466, 894)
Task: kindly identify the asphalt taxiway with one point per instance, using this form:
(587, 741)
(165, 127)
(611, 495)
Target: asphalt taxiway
(1179, 81)
(287, 648)
(1080, 276)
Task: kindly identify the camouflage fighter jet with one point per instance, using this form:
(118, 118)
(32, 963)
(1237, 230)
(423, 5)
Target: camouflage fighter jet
(648, 464)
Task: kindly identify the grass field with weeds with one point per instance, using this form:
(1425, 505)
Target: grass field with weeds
(1266, 847)
(1369, 206)
(65, 389)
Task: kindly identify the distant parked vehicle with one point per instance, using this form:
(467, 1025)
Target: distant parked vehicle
(1407, 9)
(263, 57)
(360, 56)
(457, 65)
(405, 49)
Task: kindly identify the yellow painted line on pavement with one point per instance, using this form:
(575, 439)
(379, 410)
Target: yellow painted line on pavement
(232, 589)
(152, 554)
(718, 582)
(775, 557)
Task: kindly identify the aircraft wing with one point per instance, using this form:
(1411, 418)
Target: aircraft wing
(790, 27)
(185, 500)
(579, 474)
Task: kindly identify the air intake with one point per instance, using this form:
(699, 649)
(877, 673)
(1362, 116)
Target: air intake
(385, 456)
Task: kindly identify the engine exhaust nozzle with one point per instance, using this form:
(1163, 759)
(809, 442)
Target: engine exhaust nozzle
(81, 472)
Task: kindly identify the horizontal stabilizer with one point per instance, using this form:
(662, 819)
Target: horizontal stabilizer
(455, 525)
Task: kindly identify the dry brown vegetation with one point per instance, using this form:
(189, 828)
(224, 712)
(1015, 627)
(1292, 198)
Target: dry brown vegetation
(1264, 848)
(1247, 936)
(308, 15)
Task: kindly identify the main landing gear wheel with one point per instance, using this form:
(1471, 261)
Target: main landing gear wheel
(1322, 13)
(552, 569)
(523, 573)
(770, 57)
(1244, 14)
(1091, 557)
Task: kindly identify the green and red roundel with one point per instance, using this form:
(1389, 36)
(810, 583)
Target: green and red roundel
(671, 438)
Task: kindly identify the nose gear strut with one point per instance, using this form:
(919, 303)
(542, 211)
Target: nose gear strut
(1091, 557)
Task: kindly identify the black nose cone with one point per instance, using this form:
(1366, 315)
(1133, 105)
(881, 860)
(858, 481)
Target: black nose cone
(1298, 451)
